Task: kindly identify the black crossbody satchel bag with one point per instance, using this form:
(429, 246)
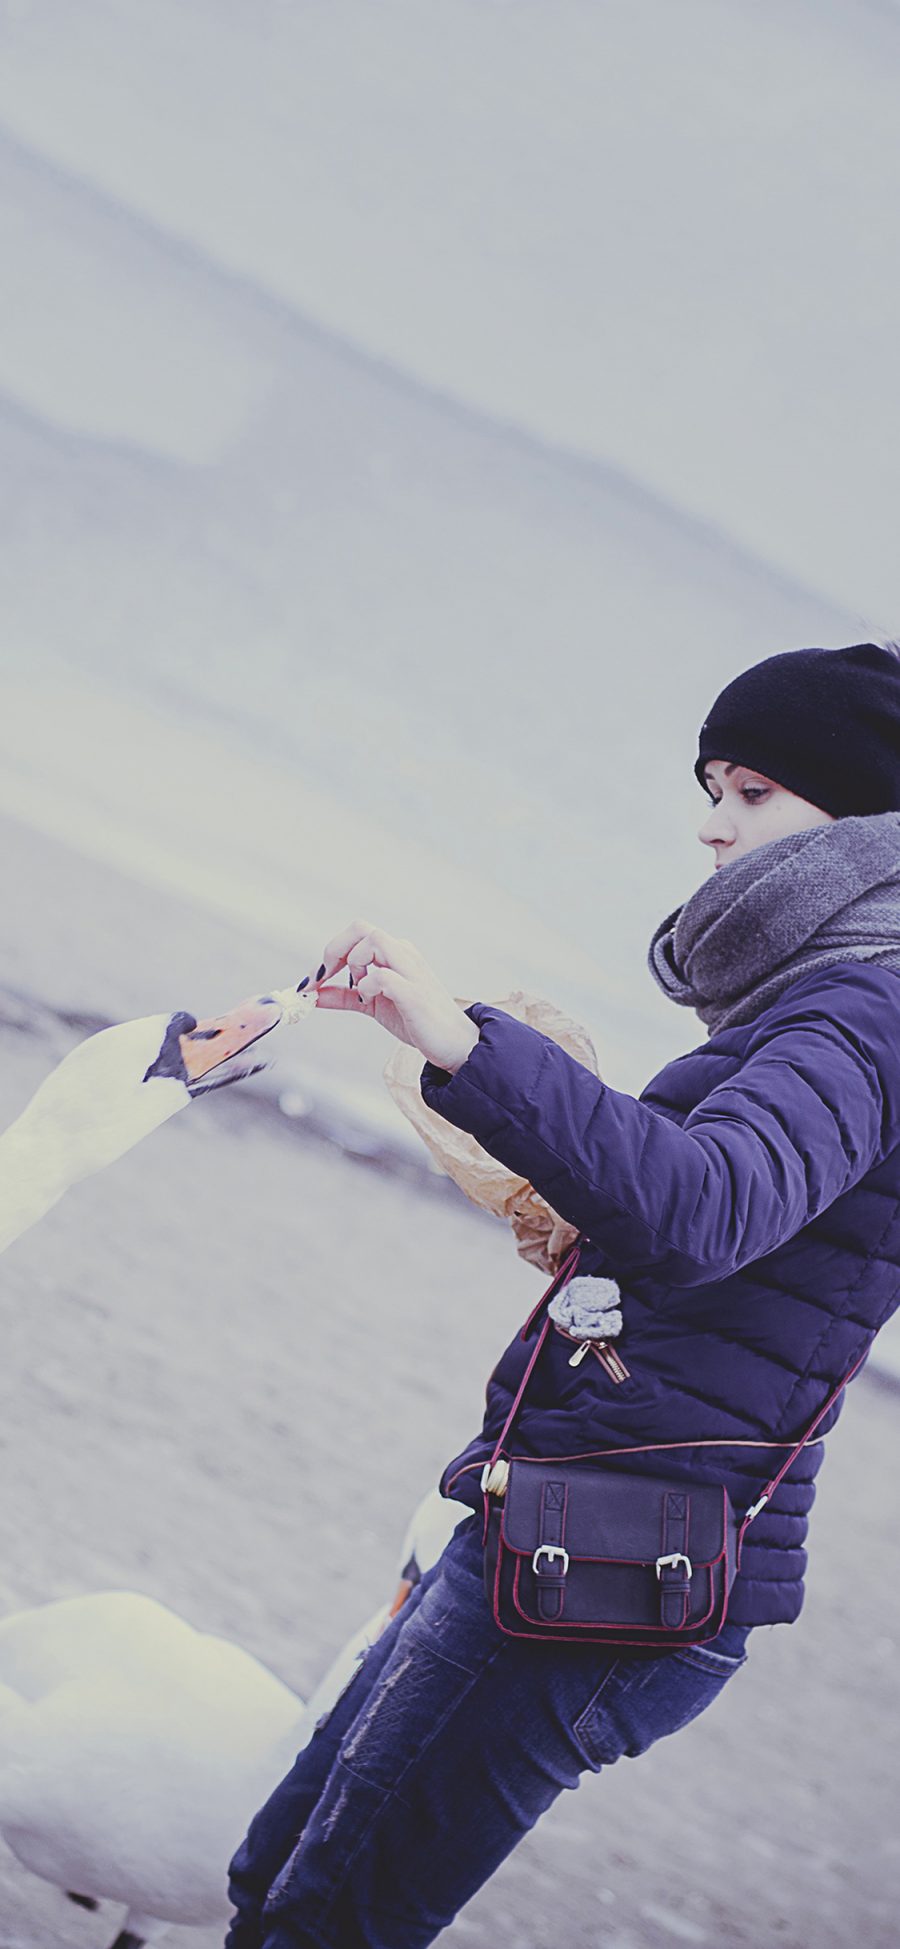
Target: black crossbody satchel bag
(577, 1551)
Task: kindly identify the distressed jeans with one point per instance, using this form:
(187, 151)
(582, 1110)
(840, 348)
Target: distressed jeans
(449, 1743)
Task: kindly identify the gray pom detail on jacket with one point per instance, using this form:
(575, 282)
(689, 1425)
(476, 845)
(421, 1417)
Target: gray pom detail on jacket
(588, 1308)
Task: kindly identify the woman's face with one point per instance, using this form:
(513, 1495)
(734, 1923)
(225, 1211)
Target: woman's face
(749, 809)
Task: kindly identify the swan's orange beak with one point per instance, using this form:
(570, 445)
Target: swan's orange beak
(193, 1051)
(220, 1037)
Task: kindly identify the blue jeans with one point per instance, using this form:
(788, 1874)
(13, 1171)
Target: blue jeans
(447, 1746)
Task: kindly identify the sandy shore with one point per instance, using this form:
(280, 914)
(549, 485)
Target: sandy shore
(186, 1337)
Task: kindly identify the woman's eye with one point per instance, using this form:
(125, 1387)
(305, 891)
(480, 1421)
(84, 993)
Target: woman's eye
(752, 795)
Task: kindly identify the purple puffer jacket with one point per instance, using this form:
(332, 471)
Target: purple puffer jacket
(747, 1203)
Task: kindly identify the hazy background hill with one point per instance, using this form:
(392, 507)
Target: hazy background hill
(429, 409)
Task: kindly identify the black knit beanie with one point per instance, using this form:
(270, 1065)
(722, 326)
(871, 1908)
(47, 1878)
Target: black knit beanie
(823, 723)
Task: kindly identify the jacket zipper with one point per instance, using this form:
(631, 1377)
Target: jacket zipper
(611, 1362)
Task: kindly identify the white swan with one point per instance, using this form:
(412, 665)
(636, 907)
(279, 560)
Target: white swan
(117, 1086)
(122, 1775)
(134, 1750)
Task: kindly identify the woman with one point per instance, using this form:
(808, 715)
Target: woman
(748, 1204)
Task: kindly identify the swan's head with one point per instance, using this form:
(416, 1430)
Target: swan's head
(117, 1086)
(208, 1054)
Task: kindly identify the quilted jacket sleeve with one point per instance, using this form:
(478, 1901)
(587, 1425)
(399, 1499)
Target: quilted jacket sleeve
(814, 1104)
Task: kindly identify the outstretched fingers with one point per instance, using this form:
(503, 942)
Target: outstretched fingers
(346, 998)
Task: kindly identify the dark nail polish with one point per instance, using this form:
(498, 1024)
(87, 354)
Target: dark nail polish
(303, 984)
(321, 972)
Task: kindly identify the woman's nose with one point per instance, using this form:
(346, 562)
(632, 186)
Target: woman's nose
(717, 829)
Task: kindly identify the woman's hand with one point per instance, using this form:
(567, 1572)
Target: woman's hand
(393, 983)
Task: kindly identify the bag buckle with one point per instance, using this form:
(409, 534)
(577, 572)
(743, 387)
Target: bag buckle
(550, 1550)
(677, 1556)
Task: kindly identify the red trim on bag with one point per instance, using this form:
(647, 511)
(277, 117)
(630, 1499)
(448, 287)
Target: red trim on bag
(624, 1562)
(600, 1623)
(579, 1556)
(567, 1637)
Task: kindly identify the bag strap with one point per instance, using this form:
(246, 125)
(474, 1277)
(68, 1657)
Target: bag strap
(561, 1278)
(770, 1487)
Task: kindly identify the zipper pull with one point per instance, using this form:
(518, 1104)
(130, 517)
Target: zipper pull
(609, 1361)
(577, 1357)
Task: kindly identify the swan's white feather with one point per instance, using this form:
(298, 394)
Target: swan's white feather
(91, 1109)
(140, 1751)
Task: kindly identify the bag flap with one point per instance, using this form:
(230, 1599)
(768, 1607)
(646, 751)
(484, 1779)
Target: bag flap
(610, 1517)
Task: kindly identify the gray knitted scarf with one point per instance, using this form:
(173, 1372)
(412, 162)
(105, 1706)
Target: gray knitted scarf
(829, 894)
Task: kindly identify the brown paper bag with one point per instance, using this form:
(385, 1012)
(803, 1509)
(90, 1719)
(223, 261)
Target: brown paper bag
(542, 1237)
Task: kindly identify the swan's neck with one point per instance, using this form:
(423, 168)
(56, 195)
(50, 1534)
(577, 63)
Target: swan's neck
(91, 1108)
(32, 1178)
